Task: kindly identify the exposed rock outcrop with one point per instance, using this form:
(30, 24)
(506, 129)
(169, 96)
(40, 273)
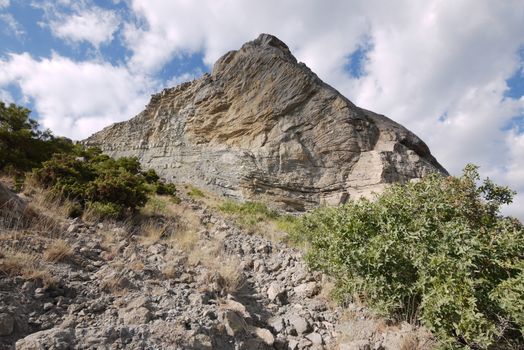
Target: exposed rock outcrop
(264, 126)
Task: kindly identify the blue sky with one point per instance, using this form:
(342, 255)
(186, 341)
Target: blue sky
(452, 72)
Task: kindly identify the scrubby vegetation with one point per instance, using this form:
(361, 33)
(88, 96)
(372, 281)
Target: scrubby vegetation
(195, 192)
(258, 217)
(437, 252)
(98, 185)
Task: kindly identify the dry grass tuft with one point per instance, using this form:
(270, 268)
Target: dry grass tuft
(185, 240)
(15, 263)
(231, 273)
(137, 265)
(409, 342)
(115, 282)
(151, 233)
(170, 271)
(58, 251)
(45, 276)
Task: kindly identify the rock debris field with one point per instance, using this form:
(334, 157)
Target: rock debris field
(191, 281)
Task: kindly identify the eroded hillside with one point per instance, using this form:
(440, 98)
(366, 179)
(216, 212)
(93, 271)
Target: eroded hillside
(178, 276)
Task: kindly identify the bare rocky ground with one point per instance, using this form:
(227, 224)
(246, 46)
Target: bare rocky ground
(188, 280)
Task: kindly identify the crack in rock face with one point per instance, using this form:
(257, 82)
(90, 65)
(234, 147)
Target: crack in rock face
(263, 126)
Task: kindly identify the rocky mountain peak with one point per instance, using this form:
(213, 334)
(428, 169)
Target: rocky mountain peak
(263, 126)
(264, 45)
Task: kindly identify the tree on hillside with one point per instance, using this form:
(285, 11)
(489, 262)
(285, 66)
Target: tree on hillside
(23, 145)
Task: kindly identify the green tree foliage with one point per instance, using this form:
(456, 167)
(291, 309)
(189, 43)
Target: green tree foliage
(436, 251)
(95, 180)
(22, 145)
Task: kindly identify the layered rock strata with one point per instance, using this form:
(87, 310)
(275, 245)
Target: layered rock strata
(263, 126)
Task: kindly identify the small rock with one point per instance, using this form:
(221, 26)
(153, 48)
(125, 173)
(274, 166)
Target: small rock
(307, 290)
(7, 324)
(247, 248)
(39, 293)
(72, 228)
(234, 323)
(28, 285)
(276, 293)
(277, 323)
(134, 316)
(315, 338)
(48, 306)
(55, 338)
(156, 249)
(265, 335)
(185, 278)
(238, 307)
(292, 344)
(201, 341)
(263, 248)
(304, 344)
(259, 266)
(195, 299)
(299, 323)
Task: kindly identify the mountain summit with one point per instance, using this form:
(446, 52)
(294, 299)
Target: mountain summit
(263, 126)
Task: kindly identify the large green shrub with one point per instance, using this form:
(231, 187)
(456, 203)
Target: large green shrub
(436, 251)
(96, 181)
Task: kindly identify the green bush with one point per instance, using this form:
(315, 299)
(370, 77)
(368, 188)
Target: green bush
(163, 188)
(95, 180)
(102, 211)
(117, 186)
(23, 145)
(436, 251)
(151, 176)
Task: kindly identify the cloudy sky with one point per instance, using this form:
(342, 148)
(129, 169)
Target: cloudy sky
(451, 71)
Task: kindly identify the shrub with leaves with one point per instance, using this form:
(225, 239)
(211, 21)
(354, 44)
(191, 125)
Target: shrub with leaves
(105, 186)
(436, 251)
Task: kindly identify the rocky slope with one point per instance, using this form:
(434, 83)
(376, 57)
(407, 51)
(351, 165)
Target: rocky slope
(264, 126)
(193, 280)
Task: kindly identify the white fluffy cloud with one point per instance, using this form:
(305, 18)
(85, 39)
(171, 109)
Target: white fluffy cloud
(93, 25)
(76, 98)
(79, 21)
(4, 3)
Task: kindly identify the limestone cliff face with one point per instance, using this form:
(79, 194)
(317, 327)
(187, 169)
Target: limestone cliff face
(263, 126)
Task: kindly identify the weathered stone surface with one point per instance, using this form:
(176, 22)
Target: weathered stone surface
(263, 126)
(265, 335)
(234, 323)
(307, 290)
(276, 293)
(14, 211)
(7, 323)
(315, 338)
(56, 338)
(299, 324)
